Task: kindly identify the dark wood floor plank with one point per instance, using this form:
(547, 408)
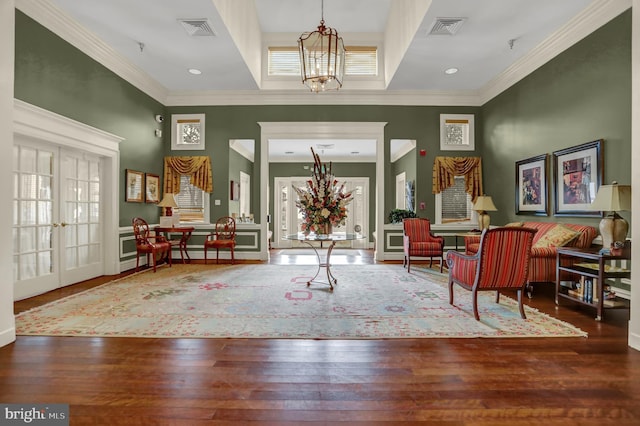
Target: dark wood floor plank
(125, 381)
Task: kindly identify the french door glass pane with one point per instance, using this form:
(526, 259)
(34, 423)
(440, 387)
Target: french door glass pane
(45, 159)
(27, 240)
(72, 261)
(27, 266)
(83, 234)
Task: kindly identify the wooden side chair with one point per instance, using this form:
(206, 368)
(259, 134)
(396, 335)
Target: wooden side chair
(223, 236)
(502, 262)
(418, 241)
(156, 246)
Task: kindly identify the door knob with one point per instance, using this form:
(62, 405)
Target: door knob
(63, 224)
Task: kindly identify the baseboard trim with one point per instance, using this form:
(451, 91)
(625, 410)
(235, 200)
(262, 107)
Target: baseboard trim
(634, 339)
(7, 336)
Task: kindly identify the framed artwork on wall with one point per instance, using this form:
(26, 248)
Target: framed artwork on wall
(133, 191)
(532, 186)
(187, 132)
(152, 188)
(457, 132)
(578, 173)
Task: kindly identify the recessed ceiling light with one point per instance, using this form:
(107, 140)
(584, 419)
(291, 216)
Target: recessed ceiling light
(451, 71)
(194, 71)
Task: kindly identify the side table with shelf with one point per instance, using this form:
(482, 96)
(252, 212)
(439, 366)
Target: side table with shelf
(590, 264)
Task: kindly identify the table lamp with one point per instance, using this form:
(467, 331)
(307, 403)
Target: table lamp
(168, 203)
(483, 204)
(612, 198)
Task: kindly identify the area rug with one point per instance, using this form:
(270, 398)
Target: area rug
(274, 301)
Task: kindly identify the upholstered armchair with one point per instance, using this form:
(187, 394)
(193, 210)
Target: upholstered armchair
(223, 236)
(156, 246)
(418, 241)
(502, 262)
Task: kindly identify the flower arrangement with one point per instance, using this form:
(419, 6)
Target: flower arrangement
(323, 203)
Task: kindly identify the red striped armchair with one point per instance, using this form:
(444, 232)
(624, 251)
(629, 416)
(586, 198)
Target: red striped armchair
(502, 262)
(418, 241)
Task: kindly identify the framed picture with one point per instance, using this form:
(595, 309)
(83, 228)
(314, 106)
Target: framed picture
(152, 188)
(531, 186)
(187, 131)
(578, 175)
(234, 191)
(134, 185)
(457, 132)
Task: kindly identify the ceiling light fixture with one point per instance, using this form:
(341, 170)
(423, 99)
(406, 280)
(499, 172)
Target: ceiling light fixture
(450, 71)
(322, 58)
(194, 71)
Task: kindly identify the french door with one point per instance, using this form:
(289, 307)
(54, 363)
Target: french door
(57, 225)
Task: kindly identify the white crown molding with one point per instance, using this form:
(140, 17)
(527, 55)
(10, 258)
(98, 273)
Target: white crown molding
(69, 30)
(598, 13)
(342, 97)
(240, 149)
(404, 150)
(30, 120)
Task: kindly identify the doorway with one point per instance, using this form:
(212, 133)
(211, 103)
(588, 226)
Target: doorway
(65, 203)
(57, 217)
(323, 130)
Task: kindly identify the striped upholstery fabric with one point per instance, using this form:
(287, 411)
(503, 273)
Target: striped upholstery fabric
(543, 260)
(419, 242)
(502, 262)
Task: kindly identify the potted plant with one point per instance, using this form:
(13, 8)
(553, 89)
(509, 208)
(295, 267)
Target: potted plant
(397, 215)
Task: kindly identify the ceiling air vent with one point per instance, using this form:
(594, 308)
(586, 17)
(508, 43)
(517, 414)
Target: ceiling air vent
(197, 27)
(446, 26)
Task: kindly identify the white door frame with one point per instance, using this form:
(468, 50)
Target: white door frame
(37, 123)
(323, 130)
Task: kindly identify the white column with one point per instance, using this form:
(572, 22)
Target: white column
(7, 46)
(634, 323)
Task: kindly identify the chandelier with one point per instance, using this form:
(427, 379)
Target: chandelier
(321, 58)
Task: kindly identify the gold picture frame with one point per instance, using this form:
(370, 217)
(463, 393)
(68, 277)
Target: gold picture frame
(134, 183)
(152, 188)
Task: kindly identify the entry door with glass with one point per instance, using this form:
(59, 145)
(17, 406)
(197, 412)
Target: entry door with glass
(57, 227)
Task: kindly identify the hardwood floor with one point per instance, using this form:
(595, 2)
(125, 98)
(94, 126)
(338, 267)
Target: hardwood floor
(128, 381)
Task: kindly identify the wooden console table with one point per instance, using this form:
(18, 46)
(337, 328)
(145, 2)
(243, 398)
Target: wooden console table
(181, 243)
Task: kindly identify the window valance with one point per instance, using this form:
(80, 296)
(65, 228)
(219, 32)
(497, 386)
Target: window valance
(198, 168)
(445, 169)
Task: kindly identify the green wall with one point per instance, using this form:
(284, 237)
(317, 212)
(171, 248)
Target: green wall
(52, 74)
(582, 95)
(422, 124)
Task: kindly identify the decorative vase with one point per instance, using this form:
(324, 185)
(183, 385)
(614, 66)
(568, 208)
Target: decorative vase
(325, 228)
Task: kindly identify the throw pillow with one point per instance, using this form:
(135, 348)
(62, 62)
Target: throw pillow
(515, 224)
(557, 236)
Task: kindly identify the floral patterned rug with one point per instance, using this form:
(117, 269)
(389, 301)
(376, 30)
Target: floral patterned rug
(272, 301)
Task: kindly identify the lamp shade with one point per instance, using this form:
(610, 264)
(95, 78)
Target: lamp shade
(611, 198)
(484, 203)
(167, 201)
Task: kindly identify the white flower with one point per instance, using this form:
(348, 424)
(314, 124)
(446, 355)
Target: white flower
(325, 213)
